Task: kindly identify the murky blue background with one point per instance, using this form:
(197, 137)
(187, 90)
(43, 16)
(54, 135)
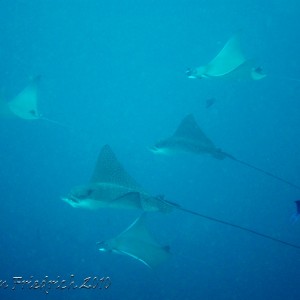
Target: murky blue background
(114, 72)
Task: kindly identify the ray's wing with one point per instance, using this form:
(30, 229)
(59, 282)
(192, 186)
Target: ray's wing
(137, 242)
(130, 199)
(228, 59)
(24, 105)
(246, 70)
(109, 170)
(188, 128)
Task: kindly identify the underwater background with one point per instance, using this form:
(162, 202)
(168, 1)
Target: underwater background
(114, 73)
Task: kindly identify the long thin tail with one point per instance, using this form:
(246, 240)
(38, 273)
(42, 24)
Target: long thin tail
(237, 226)
(261, 170)
(54, 122)
(286, 78)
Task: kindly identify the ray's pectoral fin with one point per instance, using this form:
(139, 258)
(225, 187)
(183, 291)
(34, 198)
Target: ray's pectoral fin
(109, 169)
(24, 105)
(230, 62)
(131, 199)
(137, 242)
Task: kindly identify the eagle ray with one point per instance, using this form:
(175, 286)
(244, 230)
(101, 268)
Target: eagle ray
(189, 137)
(230, 62)
(112, 187)
(137, 242)
(25, 104)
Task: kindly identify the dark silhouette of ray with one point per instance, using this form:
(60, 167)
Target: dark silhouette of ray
(298, 206)
(210, 102)
(295, 217)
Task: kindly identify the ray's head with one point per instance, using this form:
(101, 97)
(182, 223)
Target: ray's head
(34, 113)
(79, 196)
(104, 246)
(191, 73)
(257, 73)
(160, 147)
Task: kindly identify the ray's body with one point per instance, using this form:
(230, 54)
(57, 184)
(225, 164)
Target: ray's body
(138, 243)
(229, 63)
(112, 187)
(25, 104)
(190, 138)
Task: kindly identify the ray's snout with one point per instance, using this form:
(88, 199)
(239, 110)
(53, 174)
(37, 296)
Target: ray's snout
(157, 150)
(70, 199)
(103, 247)
(190, 73)
(153, 149)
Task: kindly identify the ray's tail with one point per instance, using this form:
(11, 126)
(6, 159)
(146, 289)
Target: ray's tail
(265, 236)
(54, 122)
(287, 78)
(261, 170)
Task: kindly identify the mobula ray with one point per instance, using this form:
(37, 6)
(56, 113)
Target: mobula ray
(112, 187)
(138, 243)
(190, 138)
(229, 63)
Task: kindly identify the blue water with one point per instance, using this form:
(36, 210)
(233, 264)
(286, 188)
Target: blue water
(114, 72)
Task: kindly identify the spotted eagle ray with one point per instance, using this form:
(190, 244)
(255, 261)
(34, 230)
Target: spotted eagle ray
(137, 242)
(24, 105)
(112, 187)
(190, 138)
(229, 63)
